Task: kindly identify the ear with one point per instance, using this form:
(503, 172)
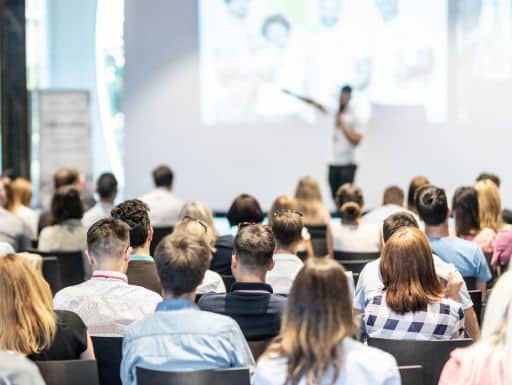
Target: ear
(150, 234)
(90, 258)
(271, 264)
(126, 256)
(234, 262)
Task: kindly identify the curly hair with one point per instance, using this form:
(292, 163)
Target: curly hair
(135, 214)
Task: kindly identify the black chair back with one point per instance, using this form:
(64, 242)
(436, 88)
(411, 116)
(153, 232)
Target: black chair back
(51, 273)
(108, 351)
(159, 233)
(432, 355)
(75, 372)
(355, 266)
(229, 280)
(351, 256)
(258, 347)
(470, 282)
(238, 376)
(476, 297)
(411, 375)
(318, 239)
(71, 265)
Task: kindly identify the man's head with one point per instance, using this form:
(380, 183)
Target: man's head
(245, 208)
(253, 250)
(135, 214)
(393, 195)
(488, 176)
(345, 96)
(181, 261)
(395, 222)
(287, 227)
(106, 187)
(432, 205)
(67, 176)
(163, 177)
(276, 29)
(108, 244)
(66, 204)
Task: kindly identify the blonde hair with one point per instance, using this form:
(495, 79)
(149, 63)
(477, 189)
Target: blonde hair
(21, 192)
(309, 197)
(282, 202)
(27, 321)
(489, 205)
(198, 228)
(199, 211)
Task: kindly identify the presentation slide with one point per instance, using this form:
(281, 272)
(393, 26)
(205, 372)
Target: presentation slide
(393, 53)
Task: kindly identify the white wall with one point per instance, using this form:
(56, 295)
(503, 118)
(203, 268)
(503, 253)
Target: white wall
(213, 164)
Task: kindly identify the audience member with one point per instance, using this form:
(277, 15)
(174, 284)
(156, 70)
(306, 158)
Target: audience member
(467, 257)
(164, 207)
(507, 214)
(21, 205)
(487, 362)
(370, 280)
(179, 336)
(467, 219)
(314, 345)
(212, 281)
(18, 370)
(141, 268)
(310, 201)
(12, 229)
(251, 301)
(66, 232)
(392, 202)
(29, 325)
(489, 205)
(106, 188)
(352, 234)
(107, 303)
(412, 305)
(287, 228)
(502, 248)
(415, 184)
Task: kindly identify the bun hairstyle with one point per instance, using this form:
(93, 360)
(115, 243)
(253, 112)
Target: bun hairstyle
(349, 199)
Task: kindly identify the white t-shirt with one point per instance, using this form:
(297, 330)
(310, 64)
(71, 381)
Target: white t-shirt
(361, 238)
(283, 274)
(379, 214)
(164, 207)
(344, 152)
(212, 282)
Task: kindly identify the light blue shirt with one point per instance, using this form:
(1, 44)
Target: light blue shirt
(180, 337)
(466, 256)
(18, 370)
(360, 364)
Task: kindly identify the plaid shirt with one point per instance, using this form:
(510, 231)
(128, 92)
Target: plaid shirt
(443, 319)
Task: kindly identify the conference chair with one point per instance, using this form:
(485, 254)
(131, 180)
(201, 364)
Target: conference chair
(108, 351)
(432, 355)
(318, 235)
(476, 298)
(258, 347)
(237, 376)
(229, 280)
(159, 233)
(470, 282)
(411, 375)
(51, 273)
(71, 265)
(356, 256)
(71, 372)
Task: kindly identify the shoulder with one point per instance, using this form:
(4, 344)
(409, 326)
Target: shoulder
(449, 306)
(270, 370)
(68, 292)
(380, 364)
(145, 293)
(212, 302)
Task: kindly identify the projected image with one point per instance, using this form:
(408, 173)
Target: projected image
(252, 50)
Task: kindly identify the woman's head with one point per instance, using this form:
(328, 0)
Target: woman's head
(282, 203)
(27, 321)
(349, 199)
(22, 191)
(415, 184)
(489, 205)
(465, 209)
(317, 318)
(66, 204)
(407, 271)
(245, 208)
(308, 190)
(199, 211)
(196, 227)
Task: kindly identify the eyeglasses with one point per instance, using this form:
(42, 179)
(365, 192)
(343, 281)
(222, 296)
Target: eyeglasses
(281, 212)
(188, 218)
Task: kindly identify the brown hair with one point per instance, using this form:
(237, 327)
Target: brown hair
(66, 204)
(489, 205)
(415, 184)
(317, 318)
(407, 271)
(181, 261)
(163, 176)
(465, 210)
(287, 227)
(349, 199)
(108, 238)
(27, 320)
(282, 202)
(393, 195)
(254, 246)
(135, 214)
(245, 208)
(22, 191)
(65, 177)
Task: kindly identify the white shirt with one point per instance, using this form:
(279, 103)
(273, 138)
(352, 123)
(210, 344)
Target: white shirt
(30, 218)
(107, 303)
(361, 365)
(99, 211)
(283, 274)
(212, 282)
(164, 207)
(379, 214)
(370, 282)
(361, 238)
(344, 152)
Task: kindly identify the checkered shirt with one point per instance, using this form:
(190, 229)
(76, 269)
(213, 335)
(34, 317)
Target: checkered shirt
(443, 319)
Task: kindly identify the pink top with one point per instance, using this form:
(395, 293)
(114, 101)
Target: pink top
(484, 239)
(460, 368)
(502, 247)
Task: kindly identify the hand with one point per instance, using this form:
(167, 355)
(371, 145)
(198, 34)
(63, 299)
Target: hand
(453, 285)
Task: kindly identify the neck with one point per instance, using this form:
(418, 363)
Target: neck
(111, 266)
(350, 222)
(245, 276)
(166, 188)
(439, 231)
(107, 201)
(287, 249)
(188, 296)
(141, 250)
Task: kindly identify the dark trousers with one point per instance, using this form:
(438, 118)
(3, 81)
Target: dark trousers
(339, 175)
